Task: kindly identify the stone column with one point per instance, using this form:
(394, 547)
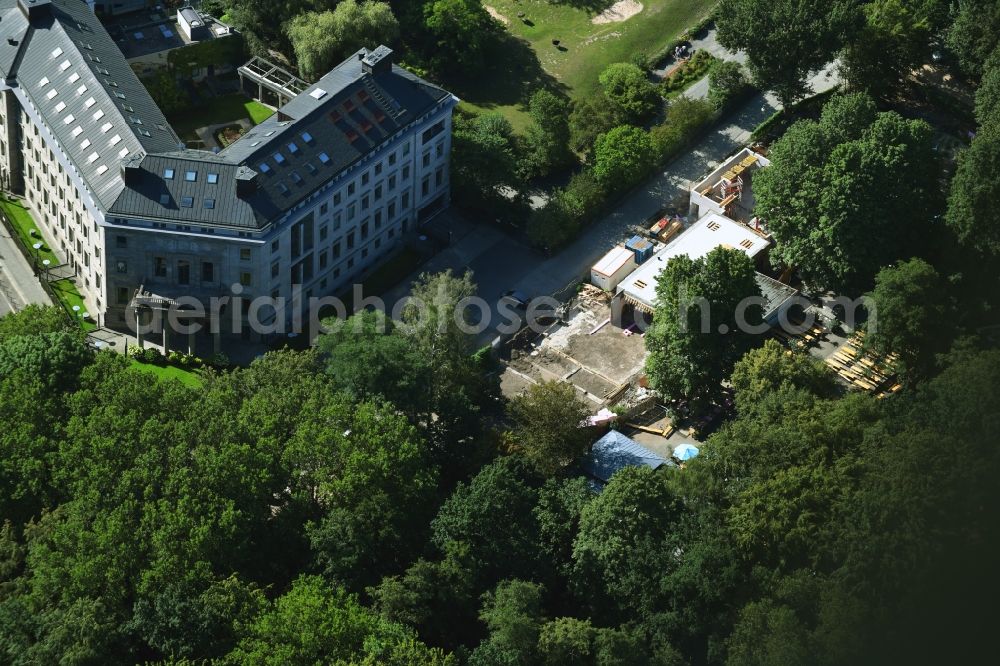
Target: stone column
(138, 328)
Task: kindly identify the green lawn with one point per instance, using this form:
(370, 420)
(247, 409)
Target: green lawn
(586, 49)
(225, 109)
(65, 290)
(185, 377)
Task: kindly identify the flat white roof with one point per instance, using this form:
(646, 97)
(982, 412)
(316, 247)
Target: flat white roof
(711, 231)
(612, 262)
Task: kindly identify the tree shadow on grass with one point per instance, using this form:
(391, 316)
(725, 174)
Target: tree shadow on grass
(512, 74)
(592, 6)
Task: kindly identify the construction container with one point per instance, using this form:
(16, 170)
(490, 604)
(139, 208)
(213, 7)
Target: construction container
(613, 267)
(641, 247)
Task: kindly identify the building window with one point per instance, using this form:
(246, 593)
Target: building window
(432, 131)
(364, 230)
(121, 242)
(378, 191)
(123, 296)
(324, 231)
(122, 267)
(336, 199)
(324, 259)
(244, 254)
(378, 219)
(439, 149)
(351, 212)
(439, 177)
(183, 272)
(246, 279)
(404, 203)
(159, 267)
(406, 172)
(336, 250)
(391, 210)
(392, 158)
(364, 179)
(275, 269)
(392, 182)
(275, 245)
(324, 208)
(350, 240)
(207, 271)
(365, 202)
(350, 189)
(425, 187)
(426, 159)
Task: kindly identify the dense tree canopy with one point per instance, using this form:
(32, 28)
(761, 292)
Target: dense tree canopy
(322, 40)
(910, 316)
(849, 194)
(708, 312)
(785, 40)
(627, 87)
(548, 426)
(622, 157)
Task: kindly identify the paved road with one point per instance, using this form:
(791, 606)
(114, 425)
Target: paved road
(18, 284)
(500, 263)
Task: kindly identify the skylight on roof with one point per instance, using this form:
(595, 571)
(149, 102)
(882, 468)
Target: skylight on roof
(89, 103)
(213, 178)
(85, 144)
(279, 158)
(292, 148)
(209, 204)
(318, 93)
(74, 77)
(144, 132)
(164, 199)
(283, 188)
(44, 82)
(105, 127)
(98, 114)
(271, 133)
(191, 176)
(119, 94)
(58, 52)
(187, 202)
(123, 152)
(135, 120)
(296, 177)
(310, 167)
(60, 106)
(264, 167)
(101, 170)
(307, 137)
(324, 158)
(93, 158)
(64, 65)
(116, 139)
(69, 119)
(168, 174)
(103, 71)
(82, 89)
(77, 131)
(52, 93)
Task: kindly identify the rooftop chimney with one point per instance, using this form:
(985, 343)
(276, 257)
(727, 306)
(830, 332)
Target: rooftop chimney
(378, 61)
(131, 169)
(246, 182)
(35, 9)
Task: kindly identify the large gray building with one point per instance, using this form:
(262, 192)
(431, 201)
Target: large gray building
(314, 196)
